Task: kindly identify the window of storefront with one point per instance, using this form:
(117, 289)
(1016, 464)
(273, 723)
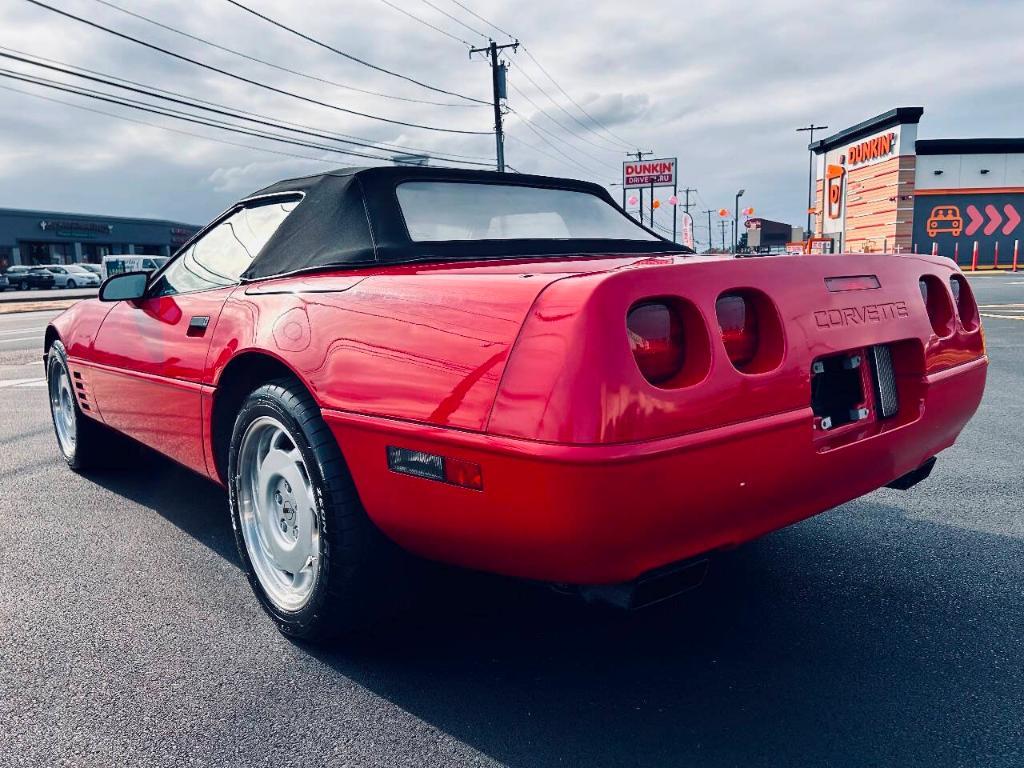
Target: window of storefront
(93, 253)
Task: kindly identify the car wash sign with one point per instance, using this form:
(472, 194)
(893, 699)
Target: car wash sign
(649, 173)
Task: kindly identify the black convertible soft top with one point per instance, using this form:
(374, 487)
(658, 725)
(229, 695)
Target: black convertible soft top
(352, 217)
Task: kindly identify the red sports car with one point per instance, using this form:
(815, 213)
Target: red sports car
(507, 373)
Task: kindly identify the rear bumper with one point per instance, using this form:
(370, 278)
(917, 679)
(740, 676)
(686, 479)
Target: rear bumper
(602, 514)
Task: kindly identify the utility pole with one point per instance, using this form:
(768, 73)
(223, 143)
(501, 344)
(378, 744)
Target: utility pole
(810, 171)
(498, 71)
(711, 232)
(640, 156)
(736, 224)
(724, 223)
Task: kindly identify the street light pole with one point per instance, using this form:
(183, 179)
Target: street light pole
(736, 223)
(810, 170)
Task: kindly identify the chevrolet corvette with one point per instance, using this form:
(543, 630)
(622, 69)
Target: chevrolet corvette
(507, 373)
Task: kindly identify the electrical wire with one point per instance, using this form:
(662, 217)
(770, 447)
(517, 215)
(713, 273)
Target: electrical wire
(348, 56)
(281, 68)
(476, 15)
(538, 132)
(426, 23)
(250, 81)
(619, 139)
(532, 103)
(193, 119)
(561, 125)
(165, 127)
(224, 111)
(456, 20)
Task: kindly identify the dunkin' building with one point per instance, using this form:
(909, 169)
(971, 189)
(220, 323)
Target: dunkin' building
(881, 188)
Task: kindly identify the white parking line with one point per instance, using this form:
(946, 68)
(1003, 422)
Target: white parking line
(35, 382)
(20, 339)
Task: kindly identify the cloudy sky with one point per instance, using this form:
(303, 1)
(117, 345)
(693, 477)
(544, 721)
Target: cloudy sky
(721, 85)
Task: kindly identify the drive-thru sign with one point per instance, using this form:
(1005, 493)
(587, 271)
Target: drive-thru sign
(649, 173)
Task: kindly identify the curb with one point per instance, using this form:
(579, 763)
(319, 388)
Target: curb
(41, 296)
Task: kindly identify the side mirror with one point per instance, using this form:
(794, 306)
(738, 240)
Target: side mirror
(128, 286)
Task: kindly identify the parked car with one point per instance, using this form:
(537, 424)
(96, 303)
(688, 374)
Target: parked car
(73, 276)
(96, 269)
(4, 283)
(508, 373)
(24, 277)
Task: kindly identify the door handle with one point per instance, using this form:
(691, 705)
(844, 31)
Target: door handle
(197, 325)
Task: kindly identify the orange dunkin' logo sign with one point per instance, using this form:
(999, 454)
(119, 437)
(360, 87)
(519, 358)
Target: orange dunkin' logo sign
(834, 189)
(872, 149)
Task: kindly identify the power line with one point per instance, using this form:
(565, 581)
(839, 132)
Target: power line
(34, 59)
(536, 129)
(224, 111)
(348, 56)
(177, 115)
(576, 103)
(456, 20)
(476, 15)
(530, 101)
(533, 82)
(250, 81)
(426, 23)
(281, 68)
(164, 127)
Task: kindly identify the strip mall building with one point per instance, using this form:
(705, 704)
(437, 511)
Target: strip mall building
(880, 188)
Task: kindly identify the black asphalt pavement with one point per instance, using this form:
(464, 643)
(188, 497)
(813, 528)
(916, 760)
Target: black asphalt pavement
(887, 632)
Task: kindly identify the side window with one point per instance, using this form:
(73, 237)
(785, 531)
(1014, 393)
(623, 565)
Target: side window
(218, 258)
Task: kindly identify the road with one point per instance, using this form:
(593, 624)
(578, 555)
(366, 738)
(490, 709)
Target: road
(889, 631)
(48, 294)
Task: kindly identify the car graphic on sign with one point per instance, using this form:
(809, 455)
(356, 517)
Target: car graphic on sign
(945, 218)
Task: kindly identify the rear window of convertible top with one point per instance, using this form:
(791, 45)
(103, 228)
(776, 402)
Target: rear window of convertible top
(447, 211)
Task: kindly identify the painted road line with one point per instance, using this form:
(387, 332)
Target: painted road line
(33, 382)
(1003, 317)
(34, 337)
(1001, 306)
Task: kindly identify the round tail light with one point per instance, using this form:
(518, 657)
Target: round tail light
(657, 339)
(740, 333)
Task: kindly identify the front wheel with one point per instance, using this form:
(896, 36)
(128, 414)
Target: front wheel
(23, 286)
(316, 563)
(69, 284)
(83, 442)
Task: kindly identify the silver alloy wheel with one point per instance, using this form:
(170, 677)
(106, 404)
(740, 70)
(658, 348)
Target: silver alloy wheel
(62, 406)
(277, 513)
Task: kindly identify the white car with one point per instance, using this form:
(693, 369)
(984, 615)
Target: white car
(73, 276)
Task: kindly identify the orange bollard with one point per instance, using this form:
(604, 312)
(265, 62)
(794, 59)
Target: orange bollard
(974, 258)
(1016, 252)
(995, 258)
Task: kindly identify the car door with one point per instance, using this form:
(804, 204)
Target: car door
(150, 354)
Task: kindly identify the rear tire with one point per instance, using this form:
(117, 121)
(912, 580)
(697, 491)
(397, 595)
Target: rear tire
(315, 561)
(69, 284)
(83, 442)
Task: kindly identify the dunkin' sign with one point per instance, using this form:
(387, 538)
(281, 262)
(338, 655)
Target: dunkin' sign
(872, 149)
(649, 173)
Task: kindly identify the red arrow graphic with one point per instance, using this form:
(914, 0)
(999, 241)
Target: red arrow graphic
(994, 219)
(976, 220)
(1012, 219)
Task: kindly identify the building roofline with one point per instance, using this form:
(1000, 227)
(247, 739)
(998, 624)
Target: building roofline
(33, 213)
(897, 116)
(968, 146)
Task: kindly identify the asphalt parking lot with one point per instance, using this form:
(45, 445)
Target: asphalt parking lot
(889, 631)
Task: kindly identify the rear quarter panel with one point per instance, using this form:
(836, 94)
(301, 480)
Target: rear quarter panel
(421, 347)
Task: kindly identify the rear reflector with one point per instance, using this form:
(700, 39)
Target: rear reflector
(886, 394)
(444, 469)
(657, 340)
(852, 283)
(738, 321)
